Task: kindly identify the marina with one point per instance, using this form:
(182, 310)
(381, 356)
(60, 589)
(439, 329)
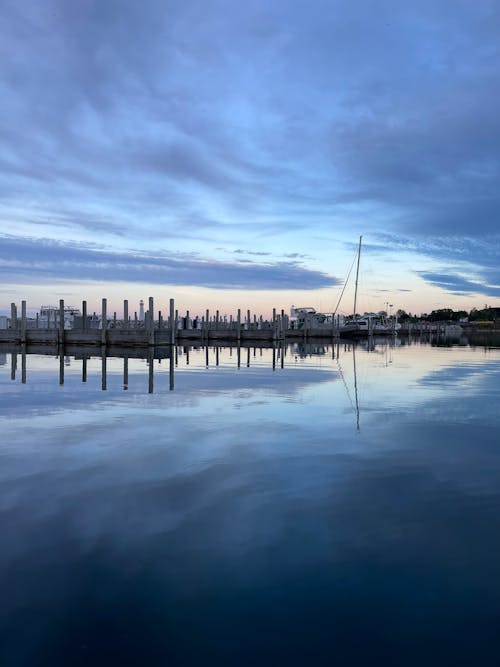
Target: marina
(67, 324)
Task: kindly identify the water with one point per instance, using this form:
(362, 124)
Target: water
(331, 506)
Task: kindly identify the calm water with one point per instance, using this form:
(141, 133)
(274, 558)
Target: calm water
(331, 507)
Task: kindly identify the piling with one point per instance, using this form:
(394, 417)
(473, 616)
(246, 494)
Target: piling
(23, 322)
(84, 315)
(125, 313)
(125, 373)
(104, 321)
(172, 322)
(13, 316)
(239, 327)
(151, 321)
(61, 321)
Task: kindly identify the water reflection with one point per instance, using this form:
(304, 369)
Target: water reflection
(339, 360)
(243, 518)
(214, 356)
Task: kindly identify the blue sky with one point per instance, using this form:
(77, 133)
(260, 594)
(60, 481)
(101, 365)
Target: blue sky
(230, 154)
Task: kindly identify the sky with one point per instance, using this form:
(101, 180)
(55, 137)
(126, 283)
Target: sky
(231, 154)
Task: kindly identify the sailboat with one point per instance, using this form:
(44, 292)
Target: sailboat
(369, 324)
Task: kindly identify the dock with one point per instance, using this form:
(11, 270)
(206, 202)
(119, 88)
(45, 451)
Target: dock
(154, 329)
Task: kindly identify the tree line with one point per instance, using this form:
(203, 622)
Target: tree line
(486, 314)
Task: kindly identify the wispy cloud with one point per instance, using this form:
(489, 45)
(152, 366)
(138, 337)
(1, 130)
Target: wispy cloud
(25, 260)
(230, 123)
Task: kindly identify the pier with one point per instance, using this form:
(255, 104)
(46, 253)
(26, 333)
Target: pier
(154, 329)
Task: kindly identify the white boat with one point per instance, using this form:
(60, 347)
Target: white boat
(48, 317)
(309, 318)
(372, 324)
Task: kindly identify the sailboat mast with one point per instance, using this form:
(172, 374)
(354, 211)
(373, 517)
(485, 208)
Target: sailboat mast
(357, 276)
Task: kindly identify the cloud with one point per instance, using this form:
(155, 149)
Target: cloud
(469, 265)
(257, 253)
(26, 260)
(458, 284)
(227, 124)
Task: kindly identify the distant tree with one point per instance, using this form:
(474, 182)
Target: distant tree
(441, 315)
(486, 314)
(402, 315)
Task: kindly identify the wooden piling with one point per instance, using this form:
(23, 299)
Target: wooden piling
(125, 313)
(13, 316)
(151, 321)
(104, 321)
(23, 322)
(172, 322)
(84, 315)
(61, 321)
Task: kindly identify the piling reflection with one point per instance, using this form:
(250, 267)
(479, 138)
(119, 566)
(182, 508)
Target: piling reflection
(196, 358)
(340, 355)
(280, 367)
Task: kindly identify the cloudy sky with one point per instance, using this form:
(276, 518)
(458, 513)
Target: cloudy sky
(230, 154)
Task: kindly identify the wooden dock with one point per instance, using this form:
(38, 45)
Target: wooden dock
(155, 330)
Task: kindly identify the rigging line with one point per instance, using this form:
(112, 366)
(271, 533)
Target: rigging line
(345, 385)
(345, 284)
